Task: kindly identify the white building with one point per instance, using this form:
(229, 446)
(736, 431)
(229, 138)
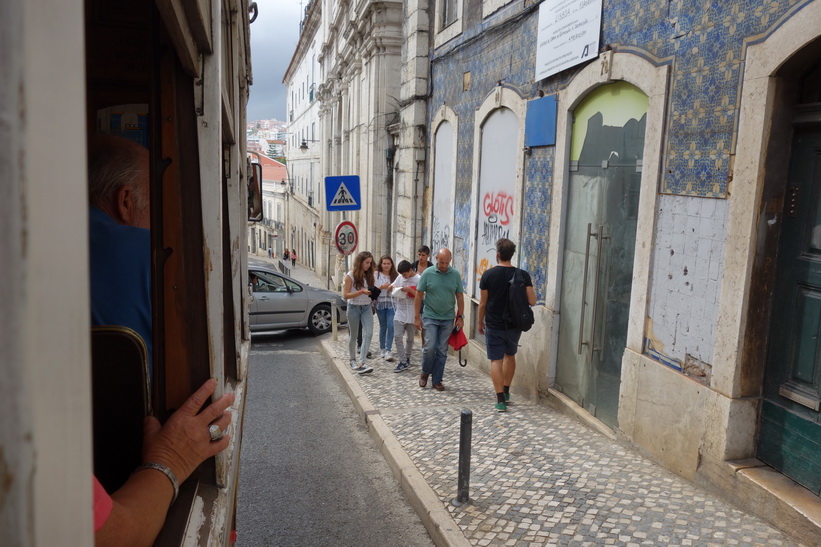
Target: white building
(307, 228)
(343, 102)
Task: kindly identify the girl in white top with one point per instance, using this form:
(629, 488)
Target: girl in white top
(355, 291)
(384, 305)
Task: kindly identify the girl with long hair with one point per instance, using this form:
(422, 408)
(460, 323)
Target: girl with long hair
(356, 291)
(384, 305)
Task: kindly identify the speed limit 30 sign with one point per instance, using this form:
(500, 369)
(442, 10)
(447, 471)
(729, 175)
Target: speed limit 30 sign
(346, 237)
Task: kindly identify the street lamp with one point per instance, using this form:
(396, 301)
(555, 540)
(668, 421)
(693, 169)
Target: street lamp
(304, 145)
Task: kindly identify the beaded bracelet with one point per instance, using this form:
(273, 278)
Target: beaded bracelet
(164, 469)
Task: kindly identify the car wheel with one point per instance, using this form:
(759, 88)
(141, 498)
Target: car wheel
(320, 320)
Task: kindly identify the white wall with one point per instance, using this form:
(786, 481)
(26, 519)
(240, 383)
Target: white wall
(45, 413)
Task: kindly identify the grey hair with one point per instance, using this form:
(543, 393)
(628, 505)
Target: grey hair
(114, 162)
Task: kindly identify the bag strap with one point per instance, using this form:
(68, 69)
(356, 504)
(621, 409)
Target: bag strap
(507, 300)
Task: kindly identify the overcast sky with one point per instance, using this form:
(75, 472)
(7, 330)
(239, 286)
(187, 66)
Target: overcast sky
(273, 39)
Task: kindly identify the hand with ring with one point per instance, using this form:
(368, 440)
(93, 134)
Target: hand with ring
(215, 432)
(189, 436)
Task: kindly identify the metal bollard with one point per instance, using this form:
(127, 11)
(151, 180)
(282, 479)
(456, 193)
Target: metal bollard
(463, 482)
(333, 320)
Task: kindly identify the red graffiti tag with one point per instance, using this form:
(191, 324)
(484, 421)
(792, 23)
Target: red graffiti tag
(498, 205)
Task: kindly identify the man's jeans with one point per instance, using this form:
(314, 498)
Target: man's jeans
(385, 316)
(435, 350)
(357, 315)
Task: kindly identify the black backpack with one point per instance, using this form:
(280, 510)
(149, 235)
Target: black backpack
(518, 313)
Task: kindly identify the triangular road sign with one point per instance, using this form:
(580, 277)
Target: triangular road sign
(342, 197)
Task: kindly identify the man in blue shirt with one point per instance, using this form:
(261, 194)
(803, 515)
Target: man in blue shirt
(119, 239)
(438, 292)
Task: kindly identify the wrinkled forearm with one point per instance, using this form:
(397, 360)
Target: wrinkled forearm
(139, 511)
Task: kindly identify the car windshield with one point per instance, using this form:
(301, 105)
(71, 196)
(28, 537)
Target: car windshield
(271, 282)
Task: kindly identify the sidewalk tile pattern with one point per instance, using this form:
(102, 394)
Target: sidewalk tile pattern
(537, 476)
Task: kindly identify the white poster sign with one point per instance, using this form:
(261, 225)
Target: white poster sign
(568, 34)
(443, 180)
(498, 210)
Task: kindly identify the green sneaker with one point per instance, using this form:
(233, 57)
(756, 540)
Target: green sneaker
(507, 398)
(501, 407)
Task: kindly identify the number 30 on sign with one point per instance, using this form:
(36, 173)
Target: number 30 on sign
(346, 237)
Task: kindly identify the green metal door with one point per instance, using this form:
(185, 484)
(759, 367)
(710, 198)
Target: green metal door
(790, 431)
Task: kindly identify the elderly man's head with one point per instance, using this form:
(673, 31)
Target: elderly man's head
(118, 179)
(443, 258)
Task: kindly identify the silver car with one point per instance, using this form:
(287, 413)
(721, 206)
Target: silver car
(281, 302)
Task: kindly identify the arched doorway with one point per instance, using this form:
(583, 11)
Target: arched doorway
(606, 155)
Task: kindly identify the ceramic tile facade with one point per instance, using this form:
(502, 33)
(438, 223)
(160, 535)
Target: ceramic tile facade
(704, 39)
(704, 43)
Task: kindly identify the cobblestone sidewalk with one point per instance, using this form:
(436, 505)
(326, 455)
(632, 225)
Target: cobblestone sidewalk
(539, 477)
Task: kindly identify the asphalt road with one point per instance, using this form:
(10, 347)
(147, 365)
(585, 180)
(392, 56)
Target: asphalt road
(310, 473)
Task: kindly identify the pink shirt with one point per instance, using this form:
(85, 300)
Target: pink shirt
(102, 505)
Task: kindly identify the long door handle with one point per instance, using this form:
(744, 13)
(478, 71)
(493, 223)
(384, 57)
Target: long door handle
(602, 237)
(590, 234)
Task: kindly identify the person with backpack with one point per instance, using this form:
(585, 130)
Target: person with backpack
(504, 313)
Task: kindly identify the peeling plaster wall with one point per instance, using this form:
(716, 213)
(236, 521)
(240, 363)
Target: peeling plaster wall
(688, 260)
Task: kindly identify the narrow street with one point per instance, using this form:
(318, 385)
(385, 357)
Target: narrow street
(310, 473)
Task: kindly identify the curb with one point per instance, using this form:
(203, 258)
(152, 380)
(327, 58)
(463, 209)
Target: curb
(434, 515)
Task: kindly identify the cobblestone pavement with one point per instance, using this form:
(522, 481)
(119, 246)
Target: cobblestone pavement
(537, 476)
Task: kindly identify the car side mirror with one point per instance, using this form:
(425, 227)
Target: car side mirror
(254, 192)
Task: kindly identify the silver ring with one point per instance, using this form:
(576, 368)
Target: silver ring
(214, 431)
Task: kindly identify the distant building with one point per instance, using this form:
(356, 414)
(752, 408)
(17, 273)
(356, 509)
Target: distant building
(271, 231)
(309, 226)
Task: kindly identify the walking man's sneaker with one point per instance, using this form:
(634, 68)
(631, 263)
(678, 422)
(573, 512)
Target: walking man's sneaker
(507, 398)
(354, 364)
(400, 367)
(364, 369)
(388, 356)
(501, 407)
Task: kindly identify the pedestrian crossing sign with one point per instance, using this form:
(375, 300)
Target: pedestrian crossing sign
(342, 193)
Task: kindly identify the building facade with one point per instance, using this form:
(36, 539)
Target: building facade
(306, 228)
(663, 196)
(360, 62)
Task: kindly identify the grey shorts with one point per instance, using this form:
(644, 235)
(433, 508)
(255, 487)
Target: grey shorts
(501, 342)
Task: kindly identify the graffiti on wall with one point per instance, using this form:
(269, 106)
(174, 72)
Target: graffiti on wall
(440, 237)
(498, 206)
(497, 209)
